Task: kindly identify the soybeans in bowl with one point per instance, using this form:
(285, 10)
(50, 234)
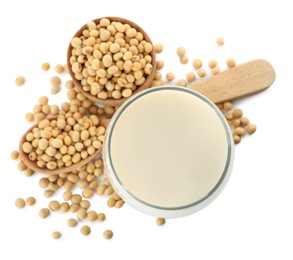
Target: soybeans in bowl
(111, 59)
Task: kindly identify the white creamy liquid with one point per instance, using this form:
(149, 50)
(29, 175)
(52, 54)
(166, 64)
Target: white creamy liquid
(169, 148)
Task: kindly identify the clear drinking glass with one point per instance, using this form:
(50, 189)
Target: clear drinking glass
(170, 210)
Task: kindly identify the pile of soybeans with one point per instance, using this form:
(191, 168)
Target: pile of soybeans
(67, 133)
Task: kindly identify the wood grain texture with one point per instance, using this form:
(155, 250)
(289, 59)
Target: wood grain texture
(243, 80)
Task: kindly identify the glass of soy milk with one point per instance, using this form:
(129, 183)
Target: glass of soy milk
(168, 151)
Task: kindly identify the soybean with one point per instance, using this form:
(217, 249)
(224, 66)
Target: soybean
(56, 235)
(201, 73)
(220, 41)
(181, 52)
(55, 81)
(44, 212)
(160, 221)
(108, 234)
(20, 203)
(59, 68)
(231, 63)
(72, 222)
(190, 76)
(197, 64)
(170, 76)
(14, 155)
(45, 66)
(159, 48)
(184, 60)
(30, 201)
(19, 81)
(85, 230)
(251, 129)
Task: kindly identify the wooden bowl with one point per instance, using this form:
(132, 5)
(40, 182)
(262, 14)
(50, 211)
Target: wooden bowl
(112, 101)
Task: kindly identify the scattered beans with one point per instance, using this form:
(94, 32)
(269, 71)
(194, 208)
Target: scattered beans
(244, 121)
(170, 76)
(55, 81)
(119, 204)
(158, 76)
(190, 76)
(30, 201)
(92, 216)
(55, 90)
(182, 83)
(59, 68)
(159, 48)
(67, 195)
(229, 116)
(197, 64)
(56, 234)
(88, 193)
(237, 139)
(101, 217)
(108, 234)
(236, 123)
(213, 64)
(85, 204)
(29, 117)
(239, 131)
(76, 199)
(159, 64)
(181, 52)
(237, 113)
(28, 172)
(201, 73)
(46, 66)
(220, 41)
(72, 222)
(19, 81)
(231, 63)
(64, 207)
(74, 208)
(54, 205)
(85, 230)
(227, 106)
(215, 70)
(14, 155)
(82, 213)
(21, 166)
(44, 212)
(20, 203)
(111, 202)
(160, 221)
(48, 193)
(251, 129)
(184, 60)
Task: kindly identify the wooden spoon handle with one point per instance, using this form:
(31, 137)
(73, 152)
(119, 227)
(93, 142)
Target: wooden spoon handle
(242, 80)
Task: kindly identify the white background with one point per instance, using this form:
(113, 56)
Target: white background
(252, 218)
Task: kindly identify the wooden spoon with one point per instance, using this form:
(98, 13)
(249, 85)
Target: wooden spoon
(33, 165)
(245, 79)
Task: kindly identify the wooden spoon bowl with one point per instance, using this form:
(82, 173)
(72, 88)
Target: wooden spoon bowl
(112, 101)
(33, 164)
